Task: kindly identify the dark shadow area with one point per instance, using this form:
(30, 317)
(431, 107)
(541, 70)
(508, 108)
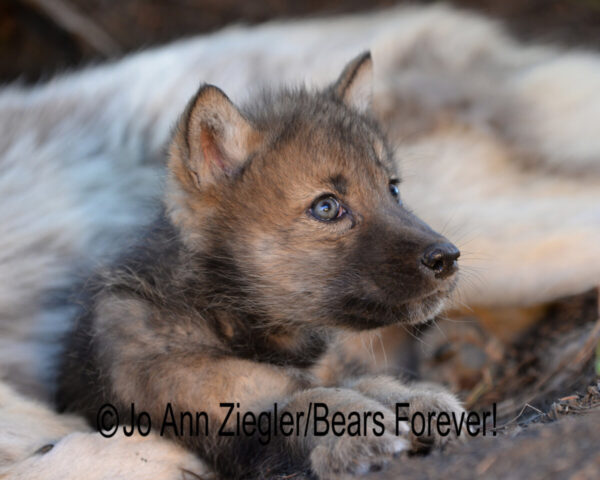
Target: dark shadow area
(41, 37)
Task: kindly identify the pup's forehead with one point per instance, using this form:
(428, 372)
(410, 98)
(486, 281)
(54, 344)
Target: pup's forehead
(332, 144)
(314, 119)
(317, 144)
(316, 161)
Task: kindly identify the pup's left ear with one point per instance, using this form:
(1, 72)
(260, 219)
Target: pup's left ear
(355, 85)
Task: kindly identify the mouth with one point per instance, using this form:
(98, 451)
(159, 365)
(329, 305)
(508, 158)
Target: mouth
(427, 308)
(367, 313)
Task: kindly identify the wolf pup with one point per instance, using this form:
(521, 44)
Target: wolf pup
(282, 227)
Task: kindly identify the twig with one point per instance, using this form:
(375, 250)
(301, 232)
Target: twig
(63, 14)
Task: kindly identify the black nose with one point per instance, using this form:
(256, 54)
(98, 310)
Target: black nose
(441, 259)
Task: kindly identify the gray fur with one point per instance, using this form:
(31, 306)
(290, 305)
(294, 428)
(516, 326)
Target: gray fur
(80, 156)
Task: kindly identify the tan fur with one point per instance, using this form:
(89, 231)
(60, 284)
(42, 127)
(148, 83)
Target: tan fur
(511, 126)
(237, 292)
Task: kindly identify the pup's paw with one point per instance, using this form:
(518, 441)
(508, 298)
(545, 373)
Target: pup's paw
(356, 455)
(430, 402)
(366, 446)
(426, 401)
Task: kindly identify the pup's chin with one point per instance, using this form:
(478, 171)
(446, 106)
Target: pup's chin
(365, 314)
(424, 310)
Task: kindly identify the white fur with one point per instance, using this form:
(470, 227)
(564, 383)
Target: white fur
(498, 143)
(26, 426)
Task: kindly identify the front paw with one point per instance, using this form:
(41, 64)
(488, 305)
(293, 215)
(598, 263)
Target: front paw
(352, 450)
(434, 413)
(356, 455)
(426, 403)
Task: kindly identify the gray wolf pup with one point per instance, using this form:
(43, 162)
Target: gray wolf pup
(282, 227)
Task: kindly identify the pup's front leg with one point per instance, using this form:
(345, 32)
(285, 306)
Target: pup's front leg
(198, 382)
(346, 451)
(424, 398)
(257, 388)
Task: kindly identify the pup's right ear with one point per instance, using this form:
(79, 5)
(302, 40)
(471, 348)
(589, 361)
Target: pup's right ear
(355, 85)
(213, 137)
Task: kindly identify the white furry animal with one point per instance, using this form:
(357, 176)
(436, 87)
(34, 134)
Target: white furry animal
(37, 444)
(498, 142)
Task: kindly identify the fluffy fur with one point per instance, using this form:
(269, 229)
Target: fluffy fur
(492, 138)
(38, 444)
(240, 287)
(497, 143)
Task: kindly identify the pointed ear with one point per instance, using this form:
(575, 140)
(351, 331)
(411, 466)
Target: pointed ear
(355, 85)
(217, 137)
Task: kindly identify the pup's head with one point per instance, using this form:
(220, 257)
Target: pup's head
(293, 207)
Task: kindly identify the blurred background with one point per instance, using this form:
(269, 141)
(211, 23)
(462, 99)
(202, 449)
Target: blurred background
(41, 37)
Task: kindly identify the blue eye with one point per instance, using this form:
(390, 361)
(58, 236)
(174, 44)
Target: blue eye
(395, 191)
(326, 208)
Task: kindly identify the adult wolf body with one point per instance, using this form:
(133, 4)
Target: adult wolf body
(283, 226)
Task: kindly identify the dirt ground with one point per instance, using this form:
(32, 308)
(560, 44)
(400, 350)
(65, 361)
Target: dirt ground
(543, 375)
(544, 381)
(537, 452)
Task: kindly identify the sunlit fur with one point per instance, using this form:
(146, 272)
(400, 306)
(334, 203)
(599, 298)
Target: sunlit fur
(497, 143)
